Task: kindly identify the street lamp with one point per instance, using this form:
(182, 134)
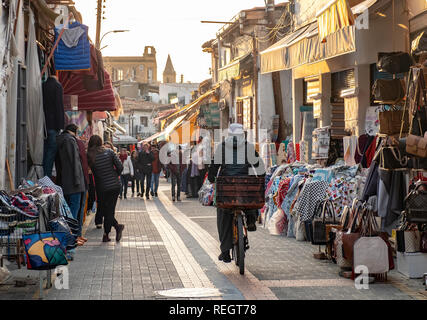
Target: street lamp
(113, 31)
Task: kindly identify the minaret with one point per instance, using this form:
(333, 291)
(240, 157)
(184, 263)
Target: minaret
(169, 74)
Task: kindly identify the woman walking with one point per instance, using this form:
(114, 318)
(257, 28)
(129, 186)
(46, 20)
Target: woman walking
(157, 167)
(127, 175)
(106, 168)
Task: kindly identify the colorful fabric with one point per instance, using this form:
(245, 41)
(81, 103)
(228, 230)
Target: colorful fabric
(313, 191)
(26, 204)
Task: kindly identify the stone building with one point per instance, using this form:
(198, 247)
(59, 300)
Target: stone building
(142, 69)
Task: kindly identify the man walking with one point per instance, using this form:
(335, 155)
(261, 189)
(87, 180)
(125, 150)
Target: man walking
(145, 160)
(157, 167)
(69, 169)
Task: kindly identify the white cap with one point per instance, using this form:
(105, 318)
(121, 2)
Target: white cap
(235, 129)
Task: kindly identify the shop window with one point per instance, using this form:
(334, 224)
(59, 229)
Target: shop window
(172, 96)
(340, 81)
(119, 74)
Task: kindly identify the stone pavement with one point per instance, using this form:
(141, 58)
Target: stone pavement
(168, 245)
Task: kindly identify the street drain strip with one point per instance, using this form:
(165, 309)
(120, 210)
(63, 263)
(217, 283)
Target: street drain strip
(191, 293)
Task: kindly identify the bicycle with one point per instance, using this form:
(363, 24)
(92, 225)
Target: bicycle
(239, 193)
(240, 239)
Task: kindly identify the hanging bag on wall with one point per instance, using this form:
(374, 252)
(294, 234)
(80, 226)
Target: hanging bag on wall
(416, 204)
(391, 158)
(390, 121)
(394, 62)
(391, 91)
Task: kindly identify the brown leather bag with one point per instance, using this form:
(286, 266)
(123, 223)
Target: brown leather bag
(416, 146)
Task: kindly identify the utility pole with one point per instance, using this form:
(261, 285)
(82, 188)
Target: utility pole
(98, 23)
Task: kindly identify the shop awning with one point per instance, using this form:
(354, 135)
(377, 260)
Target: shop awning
(161, 136)
(99, 100)
(232, 70)
(122, 140)
(334, 16)
(332, 35)
(304, 46)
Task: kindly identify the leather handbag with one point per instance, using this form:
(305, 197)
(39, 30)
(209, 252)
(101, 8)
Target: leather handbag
(391, 121)
(324, 208)
(416, 146)
(391, 158)
(394, 62)
(391, 91)
(416, 204)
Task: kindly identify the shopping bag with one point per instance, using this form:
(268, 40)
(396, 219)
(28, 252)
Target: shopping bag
(45, 251)
(373, 253)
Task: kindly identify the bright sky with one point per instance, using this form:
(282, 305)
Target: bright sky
(172, 27)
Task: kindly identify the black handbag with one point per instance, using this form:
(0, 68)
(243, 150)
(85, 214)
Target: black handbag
(388, 90)
(394, 62)
(416, 204)
(323, 209)
(392, 159)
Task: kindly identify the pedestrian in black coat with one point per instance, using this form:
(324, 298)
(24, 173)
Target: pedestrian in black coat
(145, 160)
(106, 168)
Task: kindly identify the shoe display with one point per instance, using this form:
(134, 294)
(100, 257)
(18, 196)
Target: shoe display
(119, 232)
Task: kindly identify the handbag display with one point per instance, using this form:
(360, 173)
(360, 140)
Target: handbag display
(416, 204)
(323, 209)
(394, 62)
(388, 90)
(371, 252)
(391, 158)
(60, 225)
(44, 251)
(391, 121)
(416, 146)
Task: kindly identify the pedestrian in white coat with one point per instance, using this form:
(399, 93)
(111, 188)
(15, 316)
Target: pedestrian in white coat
(127, 175)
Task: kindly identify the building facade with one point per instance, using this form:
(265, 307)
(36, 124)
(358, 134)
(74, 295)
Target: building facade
(142, 69)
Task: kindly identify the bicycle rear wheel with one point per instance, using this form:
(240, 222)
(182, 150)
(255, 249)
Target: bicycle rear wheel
(240, 254)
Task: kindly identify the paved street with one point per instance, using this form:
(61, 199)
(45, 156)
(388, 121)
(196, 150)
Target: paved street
(169, 245)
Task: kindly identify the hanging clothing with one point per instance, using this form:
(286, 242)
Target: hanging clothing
(53, 104)
(73, 50)
(350, 145)
(360, 148)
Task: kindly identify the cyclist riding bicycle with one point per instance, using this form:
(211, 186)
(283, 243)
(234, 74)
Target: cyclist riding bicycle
(234, 157)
